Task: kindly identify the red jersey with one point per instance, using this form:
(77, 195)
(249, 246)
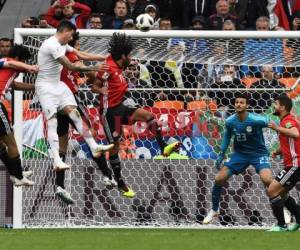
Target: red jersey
(290, 147)
(116, 83)
(7, 76)
(70, 77)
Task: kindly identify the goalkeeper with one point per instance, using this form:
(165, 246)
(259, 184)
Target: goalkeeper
(249, 149)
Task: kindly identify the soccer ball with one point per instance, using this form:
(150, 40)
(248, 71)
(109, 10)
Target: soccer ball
(144, 22)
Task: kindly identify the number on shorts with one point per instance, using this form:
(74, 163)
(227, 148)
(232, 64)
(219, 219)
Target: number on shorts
(281, 174)
(263, 160)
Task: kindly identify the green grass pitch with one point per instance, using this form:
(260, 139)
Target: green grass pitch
(146, 239)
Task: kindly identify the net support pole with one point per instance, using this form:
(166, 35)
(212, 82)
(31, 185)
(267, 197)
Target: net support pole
(18, 132)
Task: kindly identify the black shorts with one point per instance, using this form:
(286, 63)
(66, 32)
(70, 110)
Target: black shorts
(63, 120)
(289, 177)
(114, 118)
(5, 125)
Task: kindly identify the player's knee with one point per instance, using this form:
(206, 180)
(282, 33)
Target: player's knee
(220, 179)
(272, 192)
(149, 116)
(52, 123)
(74, 115)
(267, 181)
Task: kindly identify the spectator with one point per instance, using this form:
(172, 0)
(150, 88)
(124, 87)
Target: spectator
(254, 10)
(153, 11)
(263, 23)
(215, 21)
(5, 46)
(165, 72)
(296, 21)
(282, 13)
(94, 22)
(234, 47)
(238, 8)
(262, 50)
(194, 8)
(43, 22)
(214, 68)
(34, 22)
(165, 24)
(128, 24)
(56, 10)
(103, 7)
(198, 23)
(159, 46)
(225, 99)
(262, 100)
(77, 13)
(116, 21)
(135, 8)
(173, 9)
(228, 25)
(138, 76)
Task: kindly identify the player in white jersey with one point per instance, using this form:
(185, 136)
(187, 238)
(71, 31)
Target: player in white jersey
(55, 96)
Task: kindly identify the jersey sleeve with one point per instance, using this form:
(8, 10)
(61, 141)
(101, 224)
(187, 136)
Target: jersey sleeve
(226, 138)
(69, 48)
(56, 50)
(261, 120)
(290, 123)
(72, 57)
(265, 120)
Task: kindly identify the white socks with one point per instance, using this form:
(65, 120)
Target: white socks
(85, 132)
(53, 138)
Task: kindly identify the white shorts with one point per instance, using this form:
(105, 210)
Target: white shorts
(54, 97)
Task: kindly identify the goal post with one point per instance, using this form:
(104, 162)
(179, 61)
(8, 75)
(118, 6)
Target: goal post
(176, 76)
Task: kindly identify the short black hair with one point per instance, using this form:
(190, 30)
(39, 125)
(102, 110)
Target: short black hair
(285, 101)
(242, 95)
(119, 45)
(65, 25)
(20, 52)
(74, 40)
(96, 15)
(5, 39)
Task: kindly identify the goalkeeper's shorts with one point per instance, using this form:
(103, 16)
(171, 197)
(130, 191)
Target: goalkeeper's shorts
(238, 163)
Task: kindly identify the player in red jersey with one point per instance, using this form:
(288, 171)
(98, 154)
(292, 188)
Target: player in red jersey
(112, 86)
(70, 78)
(10, 67)
(289, 138)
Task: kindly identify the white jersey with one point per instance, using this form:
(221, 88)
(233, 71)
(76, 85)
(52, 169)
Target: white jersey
(49, 67)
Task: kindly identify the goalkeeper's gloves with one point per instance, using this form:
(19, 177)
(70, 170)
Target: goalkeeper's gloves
(219, 161)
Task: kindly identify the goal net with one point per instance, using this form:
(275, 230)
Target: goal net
(188, 80)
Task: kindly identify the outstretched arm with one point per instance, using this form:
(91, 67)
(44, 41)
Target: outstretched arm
(21, 66)
(22, 86)
(76, 67)
(98, 87)
(83, 55)
(289, 132)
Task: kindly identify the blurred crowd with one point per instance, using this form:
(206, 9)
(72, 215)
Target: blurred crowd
(174, 63)
(180, 14)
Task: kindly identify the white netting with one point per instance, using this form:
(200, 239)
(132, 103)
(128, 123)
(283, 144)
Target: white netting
(189, 85)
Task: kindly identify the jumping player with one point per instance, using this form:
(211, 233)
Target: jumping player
(55, 96)
(70, 78)
(112, 86)
(10, 67)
